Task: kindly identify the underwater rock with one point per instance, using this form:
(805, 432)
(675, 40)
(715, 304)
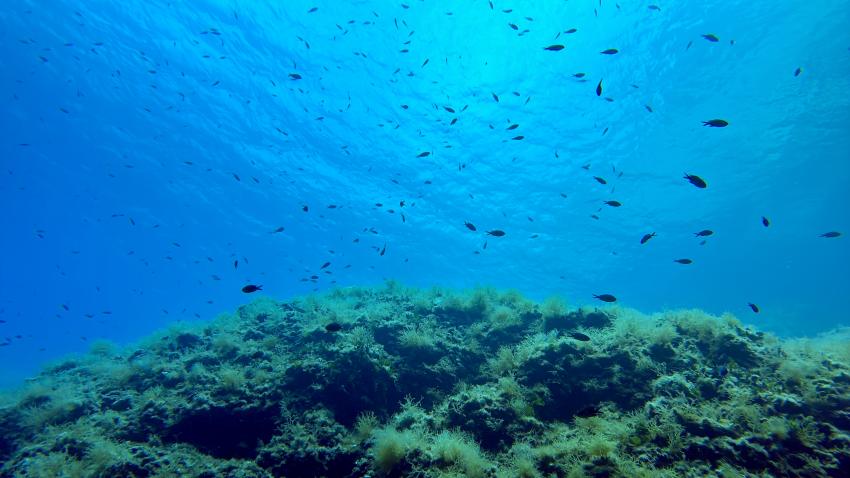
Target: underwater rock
(437, 383)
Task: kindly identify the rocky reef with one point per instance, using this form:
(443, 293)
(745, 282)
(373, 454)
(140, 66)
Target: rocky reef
(391, 381)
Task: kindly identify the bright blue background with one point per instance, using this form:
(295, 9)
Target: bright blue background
(148, 86)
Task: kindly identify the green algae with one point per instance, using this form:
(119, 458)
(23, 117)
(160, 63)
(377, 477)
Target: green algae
(438, 383)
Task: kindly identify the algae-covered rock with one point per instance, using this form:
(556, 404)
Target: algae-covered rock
(431, 383)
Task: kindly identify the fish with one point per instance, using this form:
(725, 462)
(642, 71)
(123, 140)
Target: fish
(384, 250)
(294, 76)
(754, 307)
(333, 327)
(605, 297)
(647, 237)
(600, 180)
(831, 234)
(326, 264)
(251, 288)
(614, 203)
(554, 47)
(305, 208)
(798, 71)
(470, 226)
(518, 138)
(423, 154)
(654, 7)
(610, 51)
(765, 221)
(513, 126)
(716, 123)
(496, 233)
(711, 37)
(683, 261)
(277, 230)
(579, 75)
(704, 233)
(696, 181)
(236, 264)
(579, 336)
(570, 31)
(599, 88)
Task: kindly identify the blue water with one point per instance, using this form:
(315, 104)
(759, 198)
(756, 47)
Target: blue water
(123, 128)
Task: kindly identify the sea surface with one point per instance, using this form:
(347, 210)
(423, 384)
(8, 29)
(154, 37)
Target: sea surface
(157, 157)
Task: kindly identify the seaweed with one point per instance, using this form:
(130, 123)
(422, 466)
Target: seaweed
(435, 383)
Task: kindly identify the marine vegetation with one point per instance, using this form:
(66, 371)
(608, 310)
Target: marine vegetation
(434, 383)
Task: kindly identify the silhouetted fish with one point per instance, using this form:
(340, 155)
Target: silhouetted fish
(610, 51)
(683, 261)
(716, 123)
(599, 88)
(831, 234)
(696, 180)
(600, 180)
(605, 297)
(765, 221)
(614, 203)
(496, 233)
(251, 288)
(646, 238)
(754, 307)
(711, 37)
(470, 226)
(554, 47)
(333, 327)
(704, 233)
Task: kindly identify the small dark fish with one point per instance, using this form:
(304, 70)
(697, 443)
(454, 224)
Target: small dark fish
(554, 47)
(236, 264)
(711, 37)
(496, 233)
(470, 226)
(831, 234)
(423, 154)
(518, 138)
(588, 411)
(294, 76)
(312, 10)
(384, 250)
(277, 230)
(654, 7)
(251, 288)
(599, 88)
(716, 123)
(614, 203)
(600, 180)
(333, 327)
(570, 31)
(305, 208)
(579, 336)
(610, 51)
(798, 71)
(513, 126)
(704, 233)
(579, 75)
(754, 307)
(605, 297)
(696, 180)
(765, 221)
(647, 237)
(683, 261)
